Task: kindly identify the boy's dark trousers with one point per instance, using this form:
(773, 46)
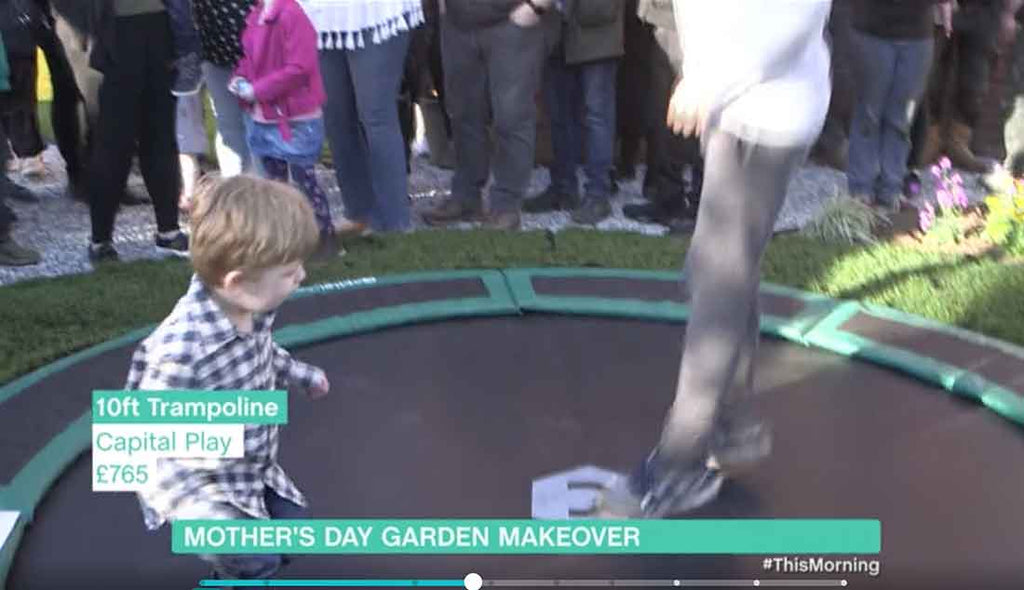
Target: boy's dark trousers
(136, 107)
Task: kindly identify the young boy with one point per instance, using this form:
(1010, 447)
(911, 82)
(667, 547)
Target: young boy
(249, 239)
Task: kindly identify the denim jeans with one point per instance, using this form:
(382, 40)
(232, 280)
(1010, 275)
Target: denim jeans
(242, 567)
(581, 100)
(233, 155)
(183, 27)
(363, 130)
(891, 77)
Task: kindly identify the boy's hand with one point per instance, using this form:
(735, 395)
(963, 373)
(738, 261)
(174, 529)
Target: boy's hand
(321, 387)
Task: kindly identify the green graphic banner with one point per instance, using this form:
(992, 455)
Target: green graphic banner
(699, 536)
(190, 407)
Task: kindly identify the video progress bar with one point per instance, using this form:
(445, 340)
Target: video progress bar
(673, 583)
(679, 583)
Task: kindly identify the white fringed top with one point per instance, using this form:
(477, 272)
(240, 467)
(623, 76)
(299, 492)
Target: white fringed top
(352, 24)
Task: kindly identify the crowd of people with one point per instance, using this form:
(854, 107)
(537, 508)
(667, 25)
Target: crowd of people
(286, 76)
(730, 98)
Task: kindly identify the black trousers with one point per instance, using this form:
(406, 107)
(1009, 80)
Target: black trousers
(960, 78)
(18, 107)
(668, 154)
(75, 92)
(136, 108)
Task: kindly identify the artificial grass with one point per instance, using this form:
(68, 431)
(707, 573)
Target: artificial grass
(47, 319)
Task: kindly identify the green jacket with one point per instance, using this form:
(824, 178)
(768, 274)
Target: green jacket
(593, 30)
(5, 70)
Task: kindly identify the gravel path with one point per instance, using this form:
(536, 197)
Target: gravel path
(59, 227)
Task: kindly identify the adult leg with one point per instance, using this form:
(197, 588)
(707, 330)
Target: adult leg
(515, 58)
(345, 136)
(232, 149)
(117, 129)
(598, 96)
(561, 90)
(466, 86)
(158, 148)
(19, 108)
(64, 114)
(910, 77)
(376, 75)
(970, 88)
(875, 67)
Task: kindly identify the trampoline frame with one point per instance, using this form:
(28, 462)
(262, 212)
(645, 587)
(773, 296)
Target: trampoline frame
(510, 292)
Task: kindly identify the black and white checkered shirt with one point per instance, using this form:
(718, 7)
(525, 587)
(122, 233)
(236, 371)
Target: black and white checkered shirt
(198, 348)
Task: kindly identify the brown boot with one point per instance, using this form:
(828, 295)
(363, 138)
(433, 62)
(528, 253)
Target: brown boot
(932, 147)
(958, 147)
(452, 210)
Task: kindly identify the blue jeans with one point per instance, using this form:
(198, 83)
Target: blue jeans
(183, 27)
(232, 148)
(892, 76)
(581, 101)
(243, 567)
(363, 130)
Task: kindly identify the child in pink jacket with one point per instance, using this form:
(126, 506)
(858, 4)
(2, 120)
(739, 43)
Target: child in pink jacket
(278, 80)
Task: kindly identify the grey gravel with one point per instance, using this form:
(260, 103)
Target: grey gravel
(59, 227)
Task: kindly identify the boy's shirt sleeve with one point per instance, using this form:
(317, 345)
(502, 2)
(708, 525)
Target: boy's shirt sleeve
(292, 372)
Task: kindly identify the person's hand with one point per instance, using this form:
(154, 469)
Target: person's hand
(1007, 30)
(320, 388)
(687, 112)
(946, 17)
(242, 88)
(524, 16)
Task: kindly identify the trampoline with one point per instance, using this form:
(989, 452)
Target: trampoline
(453, 391)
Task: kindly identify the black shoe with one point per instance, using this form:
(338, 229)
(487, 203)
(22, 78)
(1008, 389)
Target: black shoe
(177, 245)
(593, 211)
(452, 210)
(103, 252)
(551, 200)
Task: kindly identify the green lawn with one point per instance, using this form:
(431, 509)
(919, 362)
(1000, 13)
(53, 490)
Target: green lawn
(46, 319)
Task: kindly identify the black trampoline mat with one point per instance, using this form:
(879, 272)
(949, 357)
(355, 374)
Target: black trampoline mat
(455, 419)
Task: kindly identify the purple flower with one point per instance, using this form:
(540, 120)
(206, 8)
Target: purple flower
(944, 198)
(957, 179)
(926, 217)
(936, 171)
(945, 163)
(960, 197)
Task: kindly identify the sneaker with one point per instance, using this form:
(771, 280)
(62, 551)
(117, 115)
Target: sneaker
(593, 211)
(740, 449)
(655, 491)
(103, 252)
(551, 200)
(176, 245)
(190, 75)
(13, 254)
(350, 227)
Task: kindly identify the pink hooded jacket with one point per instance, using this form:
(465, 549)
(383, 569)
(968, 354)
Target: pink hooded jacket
(281, 61)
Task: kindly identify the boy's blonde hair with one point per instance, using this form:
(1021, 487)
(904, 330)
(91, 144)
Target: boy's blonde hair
(249, 224)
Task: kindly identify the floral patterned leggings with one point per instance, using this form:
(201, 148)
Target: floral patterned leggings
(305, 178)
